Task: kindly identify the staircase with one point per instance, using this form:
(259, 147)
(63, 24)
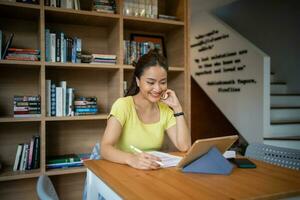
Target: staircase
(285, 116)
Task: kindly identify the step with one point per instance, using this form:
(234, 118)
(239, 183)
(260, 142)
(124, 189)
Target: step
(288, 100)
(288, 142)
(278, 88)
(285, 114)
(284, 129)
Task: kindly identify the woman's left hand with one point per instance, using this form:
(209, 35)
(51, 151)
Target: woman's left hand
(169, 97)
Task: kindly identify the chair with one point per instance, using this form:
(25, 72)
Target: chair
(280, 156)
(45, 189)
(95, 155)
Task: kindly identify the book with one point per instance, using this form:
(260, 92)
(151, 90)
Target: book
(59, 101)
(22, 158)
(53, 99)
(48, 97)
(70, 101)
(36, 153)
(7, 45)
(1, 44)
(30, 155)
(67, 158)
(47, 45)
(52, 47)
(63, 84)
(18, 157)
(64, 165)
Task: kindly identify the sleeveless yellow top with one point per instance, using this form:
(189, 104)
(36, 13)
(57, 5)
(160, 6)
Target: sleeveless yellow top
(146, 137)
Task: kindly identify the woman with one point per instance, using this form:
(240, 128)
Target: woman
(141, 118)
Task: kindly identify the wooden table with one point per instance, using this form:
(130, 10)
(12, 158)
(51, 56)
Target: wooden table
(116, 181)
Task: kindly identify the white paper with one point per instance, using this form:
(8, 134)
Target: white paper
(168, 160)
(229, 154)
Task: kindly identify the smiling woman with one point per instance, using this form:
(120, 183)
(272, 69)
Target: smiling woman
(144, 115)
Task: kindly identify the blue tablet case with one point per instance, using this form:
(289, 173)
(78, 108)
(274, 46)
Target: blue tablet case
(213, 162)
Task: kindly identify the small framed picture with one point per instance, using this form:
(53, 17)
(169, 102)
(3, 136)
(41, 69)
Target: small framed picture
(155, 41)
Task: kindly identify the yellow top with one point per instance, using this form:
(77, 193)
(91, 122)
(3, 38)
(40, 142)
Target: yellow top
(134, 132)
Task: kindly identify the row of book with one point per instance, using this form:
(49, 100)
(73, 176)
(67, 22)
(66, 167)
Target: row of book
(61, 48)
(66, 161)
(27, 106)
(67, 4)
(61, 101)
(134, 50)
(107, 6)
(28, 155)
(141, 8)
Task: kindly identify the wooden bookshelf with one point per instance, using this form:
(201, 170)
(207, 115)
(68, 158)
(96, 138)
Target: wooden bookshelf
(100, 33)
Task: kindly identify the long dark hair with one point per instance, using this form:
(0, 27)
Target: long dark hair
(152, 58)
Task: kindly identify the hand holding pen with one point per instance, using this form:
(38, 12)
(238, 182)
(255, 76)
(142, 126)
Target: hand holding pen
(143, 160)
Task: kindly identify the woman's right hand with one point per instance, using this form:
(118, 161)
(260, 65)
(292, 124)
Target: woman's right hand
(143, 161)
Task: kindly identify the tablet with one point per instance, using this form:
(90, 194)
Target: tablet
(200, 147)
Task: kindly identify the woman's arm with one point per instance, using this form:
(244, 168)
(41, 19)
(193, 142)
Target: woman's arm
(110, 152)
(179, 133)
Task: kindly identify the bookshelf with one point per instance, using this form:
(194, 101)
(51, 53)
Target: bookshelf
(100, 33)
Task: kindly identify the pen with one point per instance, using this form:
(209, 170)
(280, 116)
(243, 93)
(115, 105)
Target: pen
(140, 151)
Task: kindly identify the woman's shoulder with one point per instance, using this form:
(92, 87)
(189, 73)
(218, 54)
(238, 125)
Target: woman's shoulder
(123, 101)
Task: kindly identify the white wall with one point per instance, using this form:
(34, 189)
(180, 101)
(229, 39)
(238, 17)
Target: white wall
(248, 109)
(274, 27)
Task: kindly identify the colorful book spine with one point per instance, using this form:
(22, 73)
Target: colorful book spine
(53, 99)
(47, 45)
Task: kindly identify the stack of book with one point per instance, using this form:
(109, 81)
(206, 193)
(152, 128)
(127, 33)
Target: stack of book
(103, 59)
(85, 106)
(107, 6)
(27, 106)
(134, 50)
(66, 161)
(60, 99)
(23, 54)
(28, 155)
(61, 48)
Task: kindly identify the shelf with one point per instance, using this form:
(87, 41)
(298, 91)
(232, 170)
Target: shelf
(19, 10)
(71, 118)
(151, 25)
(25, 64)
(171, 69)
(7, 174)
(80, 65)
(69, 16)
(71, 170)
(19, 119)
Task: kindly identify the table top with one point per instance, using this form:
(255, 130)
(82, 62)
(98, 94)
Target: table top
(264, 182)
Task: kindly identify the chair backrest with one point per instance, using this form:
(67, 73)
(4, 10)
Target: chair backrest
(283, 157)
(45, 189)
